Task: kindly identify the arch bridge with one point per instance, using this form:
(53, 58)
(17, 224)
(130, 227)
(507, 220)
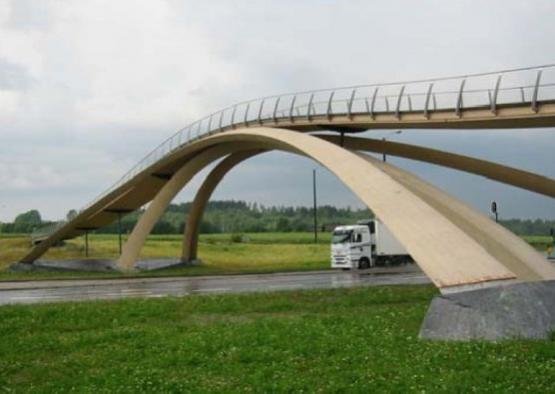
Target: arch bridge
(455, 245)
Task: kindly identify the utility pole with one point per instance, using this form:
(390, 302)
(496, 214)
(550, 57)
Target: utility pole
(315, 206)
(384, 157)
(86, 244)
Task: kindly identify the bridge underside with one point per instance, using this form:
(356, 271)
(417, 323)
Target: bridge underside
(452, 243)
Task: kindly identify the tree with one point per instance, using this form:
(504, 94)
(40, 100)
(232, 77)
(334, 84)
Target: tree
(31, 217)
(283, 225)
(26, 222)
(71, 214)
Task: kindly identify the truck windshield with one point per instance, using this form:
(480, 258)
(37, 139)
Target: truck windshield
(341, 236)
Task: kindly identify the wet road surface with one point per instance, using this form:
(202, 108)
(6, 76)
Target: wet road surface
(79, 290)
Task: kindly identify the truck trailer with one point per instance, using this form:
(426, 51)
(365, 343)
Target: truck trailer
(367, 244)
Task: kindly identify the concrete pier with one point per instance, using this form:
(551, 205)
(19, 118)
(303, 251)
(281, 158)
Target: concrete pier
(518, 310)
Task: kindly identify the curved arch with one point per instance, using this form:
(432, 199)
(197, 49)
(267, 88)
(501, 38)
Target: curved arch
(495, 171)
(505, 174)
(413, 221)
(190, 237)
(495, 239)
(132, 248)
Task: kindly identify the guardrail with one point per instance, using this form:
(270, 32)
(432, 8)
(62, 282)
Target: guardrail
(529, 85)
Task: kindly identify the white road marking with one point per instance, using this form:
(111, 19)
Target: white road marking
(210, 290)
(284, 286)
(40, 297)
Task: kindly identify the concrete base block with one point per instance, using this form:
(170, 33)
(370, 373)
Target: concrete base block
(519, 310)
(67, 266)
(159, 264)
(99, 265)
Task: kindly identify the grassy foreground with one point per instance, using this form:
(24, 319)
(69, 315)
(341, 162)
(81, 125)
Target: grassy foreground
(347, 340)
(221, 254)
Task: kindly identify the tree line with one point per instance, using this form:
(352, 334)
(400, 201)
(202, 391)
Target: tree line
(239, 216)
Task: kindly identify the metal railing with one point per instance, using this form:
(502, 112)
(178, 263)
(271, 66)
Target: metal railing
(529, 85)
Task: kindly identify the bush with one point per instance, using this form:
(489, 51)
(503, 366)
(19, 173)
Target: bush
(236, 238)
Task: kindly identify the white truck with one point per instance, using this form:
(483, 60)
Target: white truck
(366, 244)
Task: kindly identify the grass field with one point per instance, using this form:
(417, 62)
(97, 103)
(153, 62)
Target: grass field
(221, 254)
(342, 340)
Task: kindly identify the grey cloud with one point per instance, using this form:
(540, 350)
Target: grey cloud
(28, 14)
(13, 76)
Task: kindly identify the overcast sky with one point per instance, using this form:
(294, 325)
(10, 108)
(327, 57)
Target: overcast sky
(88, 87)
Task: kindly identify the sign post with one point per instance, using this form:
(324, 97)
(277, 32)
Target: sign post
(494, 210)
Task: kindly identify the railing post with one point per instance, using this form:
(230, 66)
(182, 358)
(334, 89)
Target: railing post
(434, 100)
(179, 140)
(536, 89)
(495, 93)
(409, 100)
(198, 128)
(188, 135)
(309, 108)
(522, 95)
(260, 112)
(291, 108)
(367, 106)
(350, 104)
(374, 96)
(329, 110)
(233, 116)
(275, 109)
(210, 123)
(398, 109)
(246, 114)
(427, 101)
(460, 99)
(220, 123)
(386, 103)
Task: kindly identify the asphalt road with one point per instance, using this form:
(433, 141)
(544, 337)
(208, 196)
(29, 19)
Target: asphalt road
(80, 290)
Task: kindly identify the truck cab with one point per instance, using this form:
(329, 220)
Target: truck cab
(366, 244)
(351, 247)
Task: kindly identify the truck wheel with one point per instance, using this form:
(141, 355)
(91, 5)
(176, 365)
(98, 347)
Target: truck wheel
(364, 263)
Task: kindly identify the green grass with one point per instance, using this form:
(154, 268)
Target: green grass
(261, 253)
(540, 242)
(342, 340)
